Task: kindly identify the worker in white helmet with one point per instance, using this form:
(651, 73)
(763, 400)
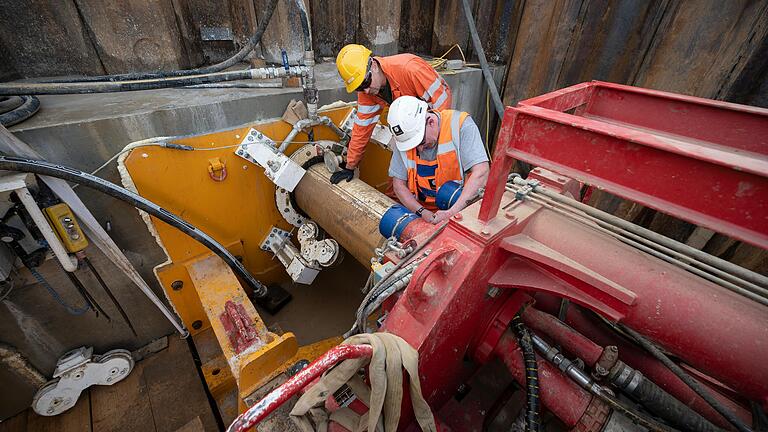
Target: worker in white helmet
(434, 147)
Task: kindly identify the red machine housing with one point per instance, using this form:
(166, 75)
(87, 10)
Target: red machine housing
(686, 156)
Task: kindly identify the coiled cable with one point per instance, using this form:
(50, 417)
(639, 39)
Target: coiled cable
(532, 404)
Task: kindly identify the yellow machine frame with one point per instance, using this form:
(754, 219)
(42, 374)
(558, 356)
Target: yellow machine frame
(230, 199)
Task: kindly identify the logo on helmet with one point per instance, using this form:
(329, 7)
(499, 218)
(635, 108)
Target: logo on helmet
(397, 130)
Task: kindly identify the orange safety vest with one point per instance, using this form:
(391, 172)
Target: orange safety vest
(407, 75)
(425, 177)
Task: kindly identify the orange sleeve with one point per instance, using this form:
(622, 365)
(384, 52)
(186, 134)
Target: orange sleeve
(429, 85)
(368, 111)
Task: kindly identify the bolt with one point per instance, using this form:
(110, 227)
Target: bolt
(493, 291)
(177, 285)
(509, 214)
(197, 324)
(485, 232)
(458, 216)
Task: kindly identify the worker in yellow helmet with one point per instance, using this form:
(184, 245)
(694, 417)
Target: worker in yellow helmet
(378, 81)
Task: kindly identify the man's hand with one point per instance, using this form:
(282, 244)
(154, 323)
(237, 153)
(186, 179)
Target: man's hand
(427, 215)
(343, 174)
(442, 215)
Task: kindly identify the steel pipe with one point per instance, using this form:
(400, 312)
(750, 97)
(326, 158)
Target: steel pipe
(349, 211)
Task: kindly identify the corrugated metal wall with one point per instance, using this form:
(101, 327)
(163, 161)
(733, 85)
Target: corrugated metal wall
(709, 48)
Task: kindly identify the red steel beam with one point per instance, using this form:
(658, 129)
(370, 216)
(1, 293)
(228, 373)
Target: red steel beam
(702, 161)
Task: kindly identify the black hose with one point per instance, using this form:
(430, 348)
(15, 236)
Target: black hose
(32, 88)
(670, 408)
(687, 379)
(218, 67)
(532, 421)
(13, 163)
(24, 107)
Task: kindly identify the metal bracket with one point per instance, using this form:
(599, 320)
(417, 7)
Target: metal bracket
(279, 168)
(276, 235)
(304, 264)
(76, 371)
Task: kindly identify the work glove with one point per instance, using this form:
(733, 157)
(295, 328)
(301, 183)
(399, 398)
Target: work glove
(342, 174)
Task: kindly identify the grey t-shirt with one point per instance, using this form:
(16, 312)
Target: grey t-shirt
(471, 151)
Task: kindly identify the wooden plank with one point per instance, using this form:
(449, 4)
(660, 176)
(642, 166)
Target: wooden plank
(699, 44)
(76, 419)
(44, 38)
(497, 23)
(380, 26)
(188, 32)
(134, 35)
(124, 406)
(450, 26)
(540, 48)
(334, 23)
(203, 17)
(283, 32)
(176, 393)
(416, 20)
(17, 423)
(610, 40)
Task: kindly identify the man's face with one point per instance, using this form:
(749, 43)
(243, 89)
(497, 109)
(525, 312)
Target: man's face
(378, 80)
(431, 133)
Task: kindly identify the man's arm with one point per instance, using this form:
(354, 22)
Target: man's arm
(368, 111)
(478, 177)
(408, 200)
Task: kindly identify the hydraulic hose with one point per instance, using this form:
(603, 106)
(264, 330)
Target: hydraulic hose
(218, 67)
(17, 109)
(24, 88)
(13, 163)
(687, 379)
(532, 422)
(669, 408)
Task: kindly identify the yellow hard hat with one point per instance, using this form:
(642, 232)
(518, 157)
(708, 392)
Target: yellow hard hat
(352, 63)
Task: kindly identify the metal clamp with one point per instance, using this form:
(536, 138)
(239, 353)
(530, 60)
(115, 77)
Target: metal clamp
(260, 149)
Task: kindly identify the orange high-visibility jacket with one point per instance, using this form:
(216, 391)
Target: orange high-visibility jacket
(426, 177)
(408, 75)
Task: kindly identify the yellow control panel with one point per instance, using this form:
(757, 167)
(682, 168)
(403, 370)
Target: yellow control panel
(64, 223)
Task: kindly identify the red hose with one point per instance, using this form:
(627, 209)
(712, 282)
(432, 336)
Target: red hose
(281, 394)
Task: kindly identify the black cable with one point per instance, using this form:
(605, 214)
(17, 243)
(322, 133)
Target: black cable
(687, 379)
(13, 163)
(532, 404)
(31, 88)
(218, 67)
(24, 107)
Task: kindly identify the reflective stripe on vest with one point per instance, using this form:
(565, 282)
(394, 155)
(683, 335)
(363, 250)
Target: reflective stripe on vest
(447, 164)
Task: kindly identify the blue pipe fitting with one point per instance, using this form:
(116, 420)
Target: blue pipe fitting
(394, 221)
(448, 194)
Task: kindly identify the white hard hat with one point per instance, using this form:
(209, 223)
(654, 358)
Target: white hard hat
(407, 120)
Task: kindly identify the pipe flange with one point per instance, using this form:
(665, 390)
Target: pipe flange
(283, 198)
